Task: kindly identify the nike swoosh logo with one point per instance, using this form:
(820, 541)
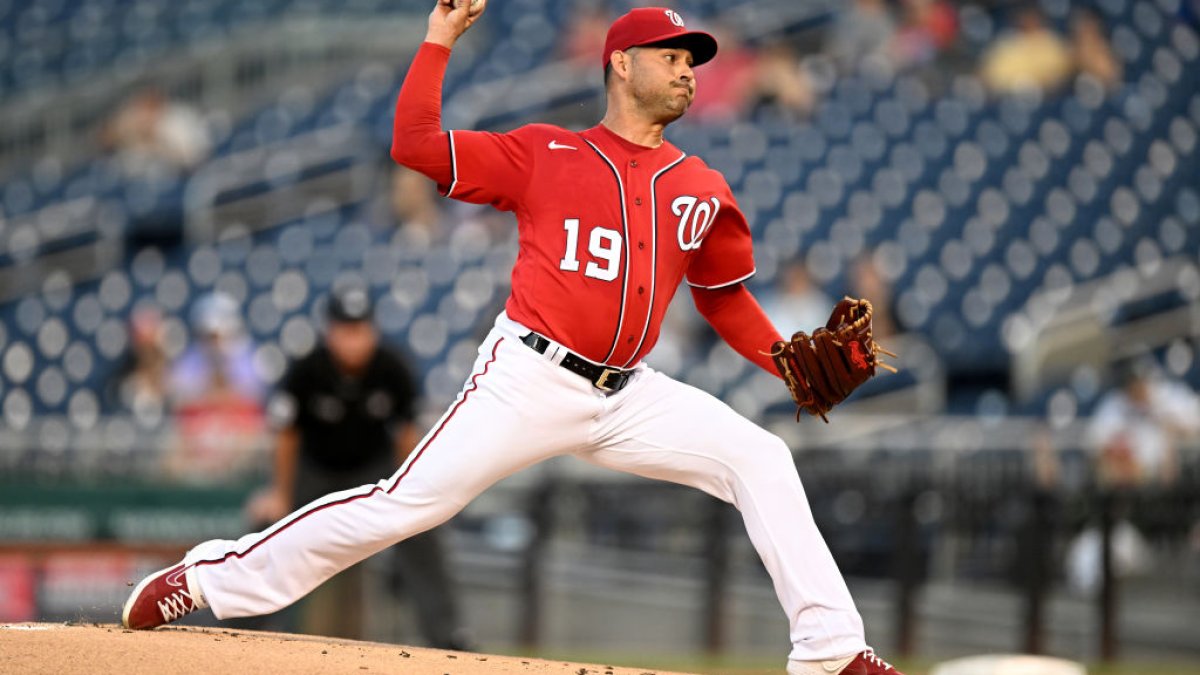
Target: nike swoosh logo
(555, 145)
(176, 579)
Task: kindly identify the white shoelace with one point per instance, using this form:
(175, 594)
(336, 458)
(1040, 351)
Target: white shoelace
(869, 655)
(176, 605)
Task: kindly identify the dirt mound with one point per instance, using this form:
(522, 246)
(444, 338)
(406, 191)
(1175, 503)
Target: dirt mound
(68, 649)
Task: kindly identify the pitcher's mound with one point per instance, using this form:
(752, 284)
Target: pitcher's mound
(63, 649)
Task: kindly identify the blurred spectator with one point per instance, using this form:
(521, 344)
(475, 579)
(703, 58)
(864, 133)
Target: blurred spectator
(151, 134)
(408, 204)
(346, 417)
(797, 304)
(139, 384)
(415, 204)
(220, 361)
(422, 218)
(1136, 429)
(1031, 57)
(1093, 54)
(726, 87)
(927, 29)
(781, 84)
(866, 281)
(583, 40)
(745, 80)
(1046, 466)
(1131, 555)
(217, 395)
(864, 29)
(1134, 435)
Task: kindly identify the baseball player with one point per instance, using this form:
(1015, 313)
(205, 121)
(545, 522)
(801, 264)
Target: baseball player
(610, 220)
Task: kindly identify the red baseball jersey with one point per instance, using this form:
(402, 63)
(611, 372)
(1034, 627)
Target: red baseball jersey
(607, 230)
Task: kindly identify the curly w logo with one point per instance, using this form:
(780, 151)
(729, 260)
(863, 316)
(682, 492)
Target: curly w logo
(695, 217)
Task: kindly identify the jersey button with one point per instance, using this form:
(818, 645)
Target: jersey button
(641, 290)
(629, 340)
(641, 245)
(633, 163)
(637, 200)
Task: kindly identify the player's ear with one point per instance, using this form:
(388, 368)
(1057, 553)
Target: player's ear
(620, 62)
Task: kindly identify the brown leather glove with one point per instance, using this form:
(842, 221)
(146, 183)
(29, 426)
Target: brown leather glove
(822, 369)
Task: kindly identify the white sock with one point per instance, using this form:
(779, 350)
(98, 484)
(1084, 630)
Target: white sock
(193, 587)
(830, 667)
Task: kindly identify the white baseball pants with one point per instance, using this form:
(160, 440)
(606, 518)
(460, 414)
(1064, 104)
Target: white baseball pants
(519, 408)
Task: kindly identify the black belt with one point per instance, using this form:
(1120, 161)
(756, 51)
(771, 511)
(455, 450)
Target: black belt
(603, 378)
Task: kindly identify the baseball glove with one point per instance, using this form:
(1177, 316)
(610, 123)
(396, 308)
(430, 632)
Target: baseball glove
(822, 369)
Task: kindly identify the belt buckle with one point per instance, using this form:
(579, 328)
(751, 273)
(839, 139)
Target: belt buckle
(602, 381)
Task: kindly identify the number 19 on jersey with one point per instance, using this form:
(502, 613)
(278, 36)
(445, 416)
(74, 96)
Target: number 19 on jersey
(604, 246)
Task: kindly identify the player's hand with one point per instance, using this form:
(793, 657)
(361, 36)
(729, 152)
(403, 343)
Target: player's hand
(268, 505)
(451, 18)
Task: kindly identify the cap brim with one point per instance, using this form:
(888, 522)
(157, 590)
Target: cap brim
(702, 45)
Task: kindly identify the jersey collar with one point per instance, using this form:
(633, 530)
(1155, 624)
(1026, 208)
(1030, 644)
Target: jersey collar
(610, 141)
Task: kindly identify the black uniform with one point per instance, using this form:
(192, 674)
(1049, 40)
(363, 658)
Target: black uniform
(346, 426)
(345, 423)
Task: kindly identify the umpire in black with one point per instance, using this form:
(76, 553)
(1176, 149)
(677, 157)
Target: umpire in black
(345, 416)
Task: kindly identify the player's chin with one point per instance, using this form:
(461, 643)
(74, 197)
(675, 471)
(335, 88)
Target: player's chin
(676, 106)
(669, 115)
(680, 108)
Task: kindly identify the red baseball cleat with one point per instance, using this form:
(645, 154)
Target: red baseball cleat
(161, 598)
(867, 663)
(862, 663)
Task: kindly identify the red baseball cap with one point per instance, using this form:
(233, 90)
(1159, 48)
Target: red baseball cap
(650, 25)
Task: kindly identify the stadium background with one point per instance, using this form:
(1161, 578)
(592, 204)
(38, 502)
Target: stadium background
(1032, 241)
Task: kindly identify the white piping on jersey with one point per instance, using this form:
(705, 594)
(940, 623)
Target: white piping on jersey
(453, 166)
(726, 284)
(625, 267)
(653, 255)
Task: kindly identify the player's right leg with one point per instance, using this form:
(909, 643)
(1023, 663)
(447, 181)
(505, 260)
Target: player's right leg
(663, 429)
(515, 410)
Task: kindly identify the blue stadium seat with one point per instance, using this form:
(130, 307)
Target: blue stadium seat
(975, 204)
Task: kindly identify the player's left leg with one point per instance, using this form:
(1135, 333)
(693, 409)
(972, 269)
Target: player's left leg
(516, 409)
(660, 428)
